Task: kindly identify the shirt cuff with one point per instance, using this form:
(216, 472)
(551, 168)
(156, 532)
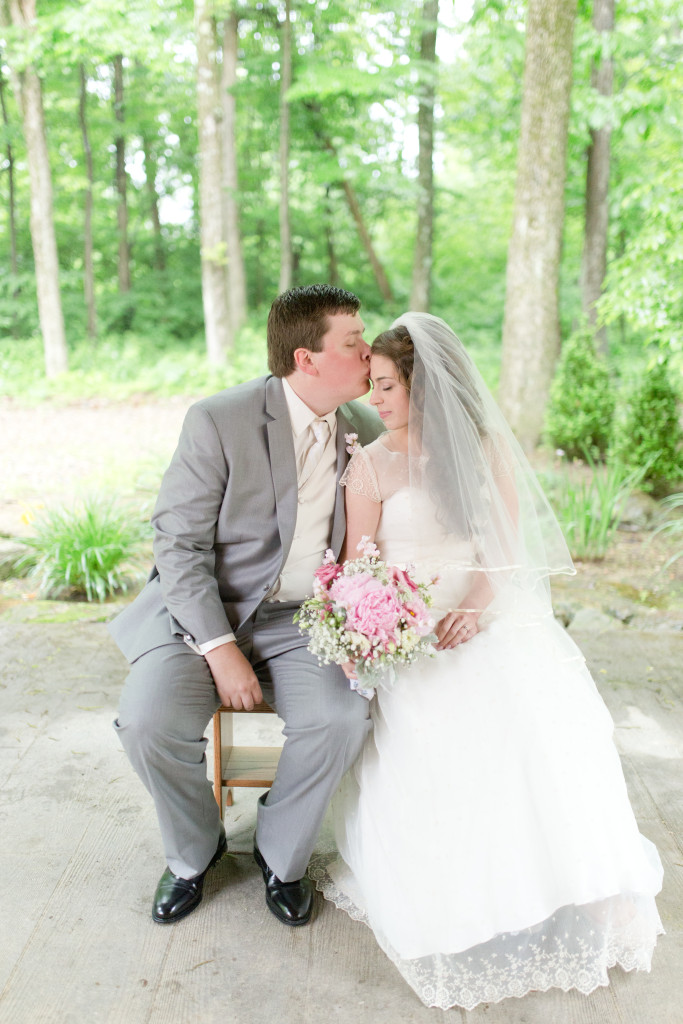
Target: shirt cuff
(209, 645)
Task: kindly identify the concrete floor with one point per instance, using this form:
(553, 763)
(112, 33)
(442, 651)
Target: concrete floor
(81, 858)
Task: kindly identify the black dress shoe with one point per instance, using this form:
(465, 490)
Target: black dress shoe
(176, 897)
(291, 902)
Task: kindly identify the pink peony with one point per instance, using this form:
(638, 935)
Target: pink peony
(376, 614)
(348, 590)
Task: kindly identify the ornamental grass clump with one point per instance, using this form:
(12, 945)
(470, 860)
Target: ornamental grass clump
(672, 527)
(589, 507)
(89, 551)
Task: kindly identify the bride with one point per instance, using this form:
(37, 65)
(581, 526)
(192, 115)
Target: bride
(485, 834)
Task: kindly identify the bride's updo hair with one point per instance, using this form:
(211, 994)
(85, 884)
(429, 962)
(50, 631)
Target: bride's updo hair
(396, 344)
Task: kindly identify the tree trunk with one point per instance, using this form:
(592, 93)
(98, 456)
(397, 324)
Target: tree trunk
(121, 180)
(21, 14)
(10, 181)
(531, 329)
(150, 185)
(237, 286)
(286, 258)
(422, 265)
(11, 204)
(217, 320)
(262, 246)
(594, 263)
(332, 263)
(88, 268)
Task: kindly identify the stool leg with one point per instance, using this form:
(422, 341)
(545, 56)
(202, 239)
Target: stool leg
(223, 741)
(217, 774)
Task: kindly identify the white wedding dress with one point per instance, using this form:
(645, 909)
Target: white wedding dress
(485, 833)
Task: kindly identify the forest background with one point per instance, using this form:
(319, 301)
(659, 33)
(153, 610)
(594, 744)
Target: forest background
(514, 167)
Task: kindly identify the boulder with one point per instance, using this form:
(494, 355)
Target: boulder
(591, 620)
(640, 512)
(10, 553)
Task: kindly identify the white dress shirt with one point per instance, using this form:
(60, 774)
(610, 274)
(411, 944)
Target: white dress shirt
(315, 510)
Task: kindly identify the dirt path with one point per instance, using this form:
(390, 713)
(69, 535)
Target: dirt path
(50, 454)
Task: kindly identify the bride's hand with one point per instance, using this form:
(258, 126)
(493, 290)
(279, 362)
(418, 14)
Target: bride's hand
(349, 669)
(455, 628)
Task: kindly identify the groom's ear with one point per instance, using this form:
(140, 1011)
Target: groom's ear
(303, 360)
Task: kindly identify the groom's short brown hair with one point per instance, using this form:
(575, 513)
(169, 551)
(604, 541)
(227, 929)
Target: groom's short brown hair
(298, 319)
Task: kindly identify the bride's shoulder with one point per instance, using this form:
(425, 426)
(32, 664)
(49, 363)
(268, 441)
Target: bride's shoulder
(363, 473)
(376, 448)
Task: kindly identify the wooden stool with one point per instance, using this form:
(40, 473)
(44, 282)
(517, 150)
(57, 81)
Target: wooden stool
(240, 766)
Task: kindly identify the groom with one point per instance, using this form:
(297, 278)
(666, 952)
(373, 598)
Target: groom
(246, 510)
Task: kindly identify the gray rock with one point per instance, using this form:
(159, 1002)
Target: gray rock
(591, 620)
(565, 611)
(640, 512)
(624, 615)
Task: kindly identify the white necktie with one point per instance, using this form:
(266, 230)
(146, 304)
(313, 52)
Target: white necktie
(321, 432)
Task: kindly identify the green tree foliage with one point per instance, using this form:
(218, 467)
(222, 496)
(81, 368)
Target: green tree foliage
(581, 407)
(649, 433)
(354, 84)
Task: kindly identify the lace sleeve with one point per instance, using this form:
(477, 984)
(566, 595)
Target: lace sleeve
(499, 457)
(360, 477)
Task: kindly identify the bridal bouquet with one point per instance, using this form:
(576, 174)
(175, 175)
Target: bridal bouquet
(369, 612)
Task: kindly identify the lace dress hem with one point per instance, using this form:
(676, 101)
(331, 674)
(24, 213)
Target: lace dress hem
(573, 949)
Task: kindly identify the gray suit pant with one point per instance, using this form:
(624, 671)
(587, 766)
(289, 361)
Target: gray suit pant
(166, 704)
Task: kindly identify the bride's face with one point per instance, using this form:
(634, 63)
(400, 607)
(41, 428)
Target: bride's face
(390, 397)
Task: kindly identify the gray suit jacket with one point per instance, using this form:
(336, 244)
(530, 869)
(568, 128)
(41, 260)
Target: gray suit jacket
(225, 516)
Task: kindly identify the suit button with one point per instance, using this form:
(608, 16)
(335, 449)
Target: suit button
(266, 588)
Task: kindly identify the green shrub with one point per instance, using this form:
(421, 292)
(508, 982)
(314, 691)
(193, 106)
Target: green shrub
(581, 406)
(649, 432)
(85, 551)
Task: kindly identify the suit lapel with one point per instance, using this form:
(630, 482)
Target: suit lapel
(282, 461)
(339, 518)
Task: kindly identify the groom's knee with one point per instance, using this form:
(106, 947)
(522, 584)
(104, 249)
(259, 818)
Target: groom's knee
(168, 696)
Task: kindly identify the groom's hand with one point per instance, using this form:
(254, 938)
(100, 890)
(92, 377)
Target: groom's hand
(234, 677)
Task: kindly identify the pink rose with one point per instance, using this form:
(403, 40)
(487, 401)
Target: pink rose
(401, 578)
(417, 616)
(327, 572)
